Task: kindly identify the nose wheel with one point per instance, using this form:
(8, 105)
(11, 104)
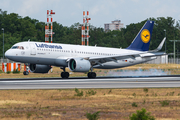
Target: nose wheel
(91, 75)
(26, 69)
(25, 73)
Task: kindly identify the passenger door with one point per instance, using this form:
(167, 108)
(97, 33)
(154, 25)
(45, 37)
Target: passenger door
(33, 49)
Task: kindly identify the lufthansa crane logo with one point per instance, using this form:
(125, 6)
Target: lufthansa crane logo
(145, 36)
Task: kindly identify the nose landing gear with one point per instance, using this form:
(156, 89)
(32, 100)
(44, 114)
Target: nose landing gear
(25, 73)
(26, 68)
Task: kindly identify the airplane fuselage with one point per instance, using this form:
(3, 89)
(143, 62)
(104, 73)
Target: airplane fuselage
(57, 54)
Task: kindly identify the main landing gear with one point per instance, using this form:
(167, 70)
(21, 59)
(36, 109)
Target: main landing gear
(64, 74)
(91, 74)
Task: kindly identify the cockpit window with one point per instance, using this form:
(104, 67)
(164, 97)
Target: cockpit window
(18, 47)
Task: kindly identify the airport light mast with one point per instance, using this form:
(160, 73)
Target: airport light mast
(85, 29)
(47, 31)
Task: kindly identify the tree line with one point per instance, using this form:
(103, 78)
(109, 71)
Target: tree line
(18, 29)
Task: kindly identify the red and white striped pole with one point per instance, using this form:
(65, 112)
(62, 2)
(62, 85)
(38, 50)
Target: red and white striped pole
(52, 25)
(87, 34)
(49, 32)
(83, 29)
(47, 28)
(82, 34)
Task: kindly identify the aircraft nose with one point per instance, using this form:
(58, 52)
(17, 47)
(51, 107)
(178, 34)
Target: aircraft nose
(7, 53)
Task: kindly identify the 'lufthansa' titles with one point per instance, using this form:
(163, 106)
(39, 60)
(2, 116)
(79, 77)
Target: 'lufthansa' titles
(145, 35)
(48, 46)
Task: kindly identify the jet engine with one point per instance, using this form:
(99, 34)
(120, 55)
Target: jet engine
(79, 65)
(37, 68)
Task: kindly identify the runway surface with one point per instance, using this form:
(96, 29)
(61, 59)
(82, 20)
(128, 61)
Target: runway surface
(99, 82)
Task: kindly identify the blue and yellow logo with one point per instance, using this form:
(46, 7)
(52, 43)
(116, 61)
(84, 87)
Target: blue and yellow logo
(145, 35)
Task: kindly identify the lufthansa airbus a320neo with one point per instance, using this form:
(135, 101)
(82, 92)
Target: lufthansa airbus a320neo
(41, 56)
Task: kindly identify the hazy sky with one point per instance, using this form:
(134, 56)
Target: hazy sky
(69, 12)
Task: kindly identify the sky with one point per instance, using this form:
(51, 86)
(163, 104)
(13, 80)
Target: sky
(68, 12)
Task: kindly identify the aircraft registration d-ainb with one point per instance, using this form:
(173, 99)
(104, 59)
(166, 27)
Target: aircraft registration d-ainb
(78, 58)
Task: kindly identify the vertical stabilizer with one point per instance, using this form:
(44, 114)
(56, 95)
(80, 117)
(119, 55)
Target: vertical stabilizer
(142, 41)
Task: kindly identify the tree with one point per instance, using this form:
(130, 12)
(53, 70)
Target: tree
(141, 115)
(17, 29)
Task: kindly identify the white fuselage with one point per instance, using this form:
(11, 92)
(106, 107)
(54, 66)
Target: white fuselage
(57, 54)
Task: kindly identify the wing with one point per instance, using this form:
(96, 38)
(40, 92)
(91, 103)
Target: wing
(103, 59)
(99, 60)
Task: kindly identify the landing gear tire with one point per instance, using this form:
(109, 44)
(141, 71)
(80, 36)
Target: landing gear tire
(25, 73)
(91, 75)
(65, 75)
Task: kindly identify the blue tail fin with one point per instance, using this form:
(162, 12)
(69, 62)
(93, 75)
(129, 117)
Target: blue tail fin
(142, 41)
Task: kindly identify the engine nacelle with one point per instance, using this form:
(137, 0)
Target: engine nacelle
(37, 68)
(79, 65)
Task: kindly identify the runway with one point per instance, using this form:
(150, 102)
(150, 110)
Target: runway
(99, 82)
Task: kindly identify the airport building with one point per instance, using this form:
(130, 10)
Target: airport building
(115, 25)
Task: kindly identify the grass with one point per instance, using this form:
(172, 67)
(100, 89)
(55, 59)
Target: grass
(29, 115)
(15, 71)
(112, 103)
(164, 103)
(92, 92)
(145, 90)
(121, 103)
(94, 116)
(78, 93)
(134, 104)
(134, 94)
